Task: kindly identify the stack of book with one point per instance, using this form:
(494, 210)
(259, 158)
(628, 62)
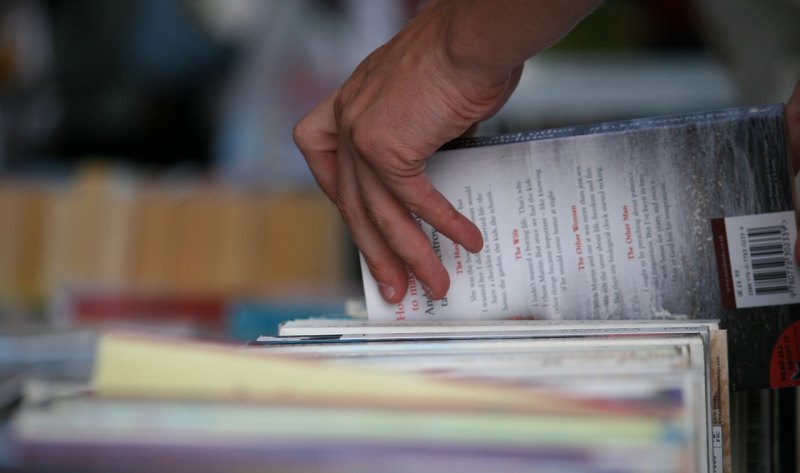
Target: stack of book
(110, 230)
(627, 397)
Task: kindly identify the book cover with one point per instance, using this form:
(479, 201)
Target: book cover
(611, 221)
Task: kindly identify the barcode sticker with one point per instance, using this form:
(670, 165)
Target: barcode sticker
(756, 261)
(717, 462)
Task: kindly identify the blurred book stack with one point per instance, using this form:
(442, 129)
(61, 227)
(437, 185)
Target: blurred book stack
(109, 235)
(640, 397)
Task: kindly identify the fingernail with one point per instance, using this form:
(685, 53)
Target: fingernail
(387, 291)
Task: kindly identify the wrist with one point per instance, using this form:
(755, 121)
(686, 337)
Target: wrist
(469, 46)
(496, 36)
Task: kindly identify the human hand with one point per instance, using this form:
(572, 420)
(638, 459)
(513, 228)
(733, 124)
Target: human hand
(367, 143)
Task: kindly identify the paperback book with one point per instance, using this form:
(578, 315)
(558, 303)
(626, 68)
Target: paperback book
(614, 221)
(598, 399)
(614, 365)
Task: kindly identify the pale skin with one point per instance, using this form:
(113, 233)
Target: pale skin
(452, 66)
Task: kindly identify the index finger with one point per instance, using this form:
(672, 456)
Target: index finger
(316, 136)
(424, 200)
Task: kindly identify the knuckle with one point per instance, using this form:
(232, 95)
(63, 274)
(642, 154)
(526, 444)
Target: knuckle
(343, 99)
(421, 203)
(301, 133)
(339, 104)
(448, 215)
(416, 247)
(436, 209)
(363, 141)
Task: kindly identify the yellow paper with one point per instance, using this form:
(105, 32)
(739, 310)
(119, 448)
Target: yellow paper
(133, 365)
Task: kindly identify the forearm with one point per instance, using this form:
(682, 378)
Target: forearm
(494, 36)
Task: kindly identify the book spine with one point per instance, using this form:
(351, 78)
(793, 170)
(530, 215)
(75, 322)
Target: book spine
(720, 402)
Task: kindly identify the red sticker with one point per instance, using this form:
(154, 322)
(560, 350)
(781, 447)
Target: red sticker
(784, 368)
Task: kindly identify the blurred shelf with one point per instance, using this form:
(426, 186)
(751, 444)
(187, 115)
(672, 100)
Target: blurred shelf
(570, 88)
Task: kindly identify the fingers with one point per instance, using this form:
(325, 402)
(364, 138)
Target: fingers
(386, 266)
(344, 141)
(422, 198)
(384, 230)
(402, 232)
(316, 137)
(401, 173)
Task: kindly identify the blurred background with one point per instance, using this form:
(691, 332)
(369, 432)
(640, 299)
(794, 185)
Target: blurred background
(147, 171)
